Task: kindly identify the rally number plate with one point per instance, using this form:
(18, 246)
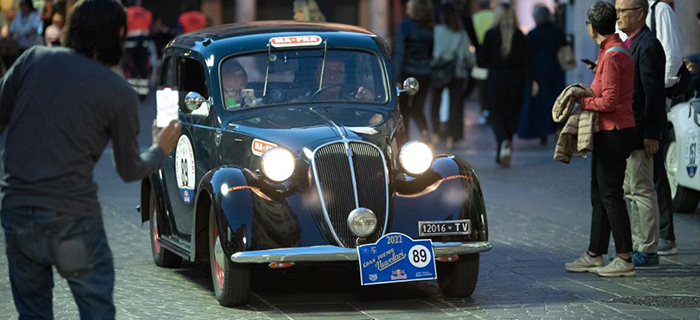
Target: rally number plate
(444, 228)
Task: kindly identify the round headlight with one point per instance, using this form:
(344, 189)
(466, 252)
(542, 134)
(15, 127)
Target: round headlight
(362, 222)
(416, 157)
(278, 164)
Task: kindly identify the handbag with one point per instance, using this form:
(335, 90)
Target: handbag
(565, 55)
(442, 73)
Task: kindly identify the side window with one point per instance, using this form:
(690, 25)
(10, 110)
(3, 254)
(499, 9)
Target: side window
(168, 73)
(192, 77)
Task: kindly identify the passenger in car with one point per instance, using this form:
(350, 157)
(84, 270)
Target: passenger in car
(233, 79)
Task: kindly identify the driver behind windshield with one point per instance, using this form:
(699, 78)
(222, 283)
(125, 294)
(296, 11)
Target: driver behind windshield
(233, 79)
(334, 86)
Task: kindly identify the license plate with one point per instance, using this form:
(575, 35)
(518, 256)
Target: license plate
(444, 228)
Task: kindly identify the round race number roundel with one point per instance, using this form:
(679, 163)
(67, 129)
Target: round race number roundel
(184, 169)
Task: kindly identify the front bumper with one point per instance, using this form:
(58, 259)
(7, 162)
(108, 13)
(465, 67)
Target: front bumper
(335, 253)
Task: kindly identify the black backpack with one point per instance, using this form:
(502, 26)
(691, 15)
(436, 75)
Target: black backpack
(683, 73)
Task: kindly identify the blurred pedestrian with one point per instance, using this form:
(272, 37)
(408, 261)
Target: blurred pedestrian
(650, 117)
(483, 21)
(137, 64)
(308, 11)
(664, 24)
(25, 28)
(413, 52)
(544, 42)
(52, 36)
(192, 18)
(58, 123)
(505, 54)
(450, 48)
(613, 87)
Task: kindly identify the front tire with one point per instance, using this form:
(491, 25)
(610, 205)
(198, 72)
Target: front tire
(458, 279)
(162, 257)
(231, 280)
(684, 200)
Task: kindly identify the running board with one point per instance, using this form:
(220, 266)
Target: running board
(175, 247)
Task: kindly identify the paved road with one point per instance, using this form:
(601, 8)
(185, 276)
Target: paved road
(539, 217)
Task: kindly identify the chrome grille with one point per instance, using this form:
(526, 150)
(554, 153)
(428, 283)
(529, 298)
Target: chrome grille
(332, 167)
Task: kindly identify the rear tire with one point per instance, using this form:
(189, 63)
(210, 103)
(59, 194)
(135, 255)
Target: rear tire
(231, 280)
(684, 200)
(458, 279)
(161, 256)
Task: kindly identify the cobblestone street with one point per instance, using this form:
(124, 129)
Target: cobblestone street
(539, 218)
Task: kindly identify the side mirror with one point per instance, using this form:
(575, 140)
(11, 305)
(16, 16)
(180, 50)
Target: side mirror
(410, 86)
(193, 101)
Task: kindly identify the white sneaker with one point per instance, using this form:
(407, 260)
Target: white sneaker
(617, 268)
(667, 247)
(585, 263)
(505, 154)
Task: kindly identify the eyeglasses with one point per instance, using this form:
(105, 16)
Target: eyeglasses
(623, 10)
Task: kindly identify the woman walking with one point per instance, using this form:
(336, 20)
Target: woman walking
(412, 56)
(451, 44)
(505, 54)
(548, 78)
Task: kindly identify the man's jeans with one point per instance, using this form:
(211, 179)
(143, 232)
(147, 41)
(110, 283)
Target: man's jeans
(37, 239)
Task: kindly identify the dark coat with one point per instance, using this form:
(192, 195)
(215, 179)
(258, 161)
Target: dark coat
(649, 102)
(413, 50)
(536, 120)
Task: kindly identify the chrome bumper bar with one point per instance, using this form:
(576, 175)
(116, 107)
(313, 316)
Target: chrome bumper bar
(335, 253)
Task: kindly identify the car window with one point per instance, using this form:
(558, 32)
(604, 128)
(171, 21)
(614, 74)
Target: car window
(168, 73)
(192, 77)
(298, 76)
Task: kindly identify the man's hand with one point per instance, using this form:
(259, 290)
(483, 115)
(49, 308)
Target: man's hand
(167, 137)
(651, 146)
(692, 67)
(363, 94)
(535, 88)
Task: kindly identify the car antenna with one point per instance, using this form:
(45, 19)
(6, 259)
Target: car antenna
(323, 64)
(267, 69)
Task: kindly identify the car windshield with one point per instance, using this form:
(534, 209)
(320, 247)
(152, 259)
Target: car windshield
(298, 76)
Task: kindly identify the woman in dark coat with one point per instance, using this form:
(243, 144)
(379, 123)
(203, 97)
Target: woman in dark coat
(504, 53)
(412, 55)
(544, 41)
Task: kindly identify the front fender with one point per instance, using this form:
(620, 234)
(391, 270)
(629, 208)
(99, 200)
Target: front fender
(232, 199)
(449, 190)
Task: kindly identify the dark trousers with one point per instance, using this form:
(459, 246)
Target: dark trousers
(663, 193)
(136, 58)
(38, 239)
(412, 106)
(610, 152)
(504, 98)
(455, 122)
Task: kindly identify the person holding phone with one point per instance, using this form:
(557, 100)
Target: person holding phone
(56, 133)
(234, 79)
(613, 87)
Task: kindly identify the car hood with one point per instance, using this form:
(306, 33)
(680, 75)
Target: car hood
(298, 127)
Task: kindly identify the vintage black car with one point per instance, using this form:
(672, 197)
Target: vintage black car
(293, 150)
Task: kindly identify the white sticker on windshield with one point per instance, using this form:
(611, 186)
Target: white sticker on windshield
(295, 41)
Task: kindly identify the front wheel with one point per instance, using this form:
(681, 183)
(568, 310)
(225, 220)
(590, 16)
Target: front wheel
(684, 200)
(458, 279)
(231, 280)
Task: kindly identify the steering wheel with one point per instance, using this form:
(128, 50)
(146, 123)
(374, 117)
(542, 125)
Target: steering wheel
(315, 94)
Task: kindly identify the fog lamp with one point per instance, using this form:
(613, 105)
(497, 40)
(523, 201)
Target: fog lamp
(362, 222)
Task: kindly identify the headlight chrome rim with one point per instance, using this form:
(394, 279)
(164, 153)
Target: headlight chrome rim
(362, 222)
(416, 157)
(278, 164)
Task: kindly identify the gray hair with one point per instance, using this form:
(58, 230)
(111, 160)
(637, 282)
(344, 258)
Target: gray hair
(643, 4)
(541, 14)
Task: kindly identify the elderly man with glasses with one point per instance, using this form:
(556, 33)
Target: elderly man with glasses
(649, 105)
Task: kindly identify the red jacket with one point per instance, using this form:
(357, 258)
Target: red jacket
(192, 21)
(613, 87)
(138, 21)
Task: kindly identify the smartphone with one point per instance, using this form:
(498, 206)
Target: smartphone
(590, 63)
(248, 96)
(167, 106)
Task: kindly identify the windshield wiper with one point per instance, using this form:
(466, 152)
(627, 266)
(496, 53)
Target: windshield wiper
(323, 65)
(267, 69)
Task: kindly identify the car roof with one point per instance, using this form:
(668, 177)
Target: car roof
(239, 37)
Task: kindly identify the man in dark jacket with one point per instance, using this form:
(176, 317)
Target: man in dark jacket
(650, 116)
(59, 108)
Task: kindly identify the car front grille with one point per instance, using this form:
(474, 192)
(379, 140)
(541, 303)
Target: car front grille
(334, 172)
